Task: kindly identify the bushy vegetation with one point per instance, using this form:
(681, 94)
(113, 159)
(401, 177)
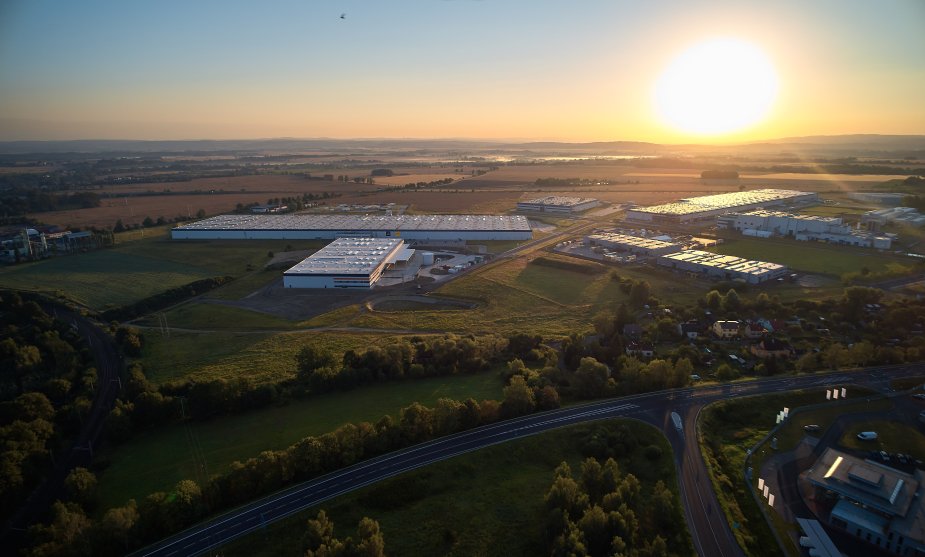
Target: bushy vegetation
(46, 388)
(164, 299)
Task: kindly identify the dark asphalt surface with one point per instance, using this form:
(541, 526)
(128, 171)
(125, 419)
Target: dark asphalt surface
(711, 533)
(108, 365)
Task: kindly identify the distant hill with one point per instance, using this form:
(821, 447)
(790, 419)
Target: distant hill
(897, 146)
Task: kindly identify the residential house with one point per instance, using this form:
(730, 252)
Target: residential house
(726, 329)
(691, 330)
(642, 348)
(632, 330)
(754, 330)
(771, 348)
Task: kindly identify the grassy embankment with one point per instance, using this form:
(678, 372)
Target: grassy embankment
(157, 460)
(728, 429)
(489, 502)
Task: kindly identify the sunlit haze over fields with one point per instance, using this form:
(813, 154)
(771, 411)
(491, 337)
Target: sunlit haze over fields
(662, 71)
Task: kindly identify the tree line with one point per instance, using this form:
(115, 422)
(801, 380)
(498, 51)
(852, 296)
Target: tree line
(46, 389)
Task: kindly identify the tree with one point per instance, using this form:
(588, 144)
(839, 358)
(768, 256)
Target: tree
(591, 378)
(81, 485)
(713, 300)
(148, 222)
(547, 398)
(201, 213)
(518, 398)
(311, 358)
(731, 301)
(119, 227)
(640, 293)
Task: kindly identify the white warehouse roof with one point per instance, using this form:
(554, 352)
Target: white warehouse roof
(348, 256)
(362, 222)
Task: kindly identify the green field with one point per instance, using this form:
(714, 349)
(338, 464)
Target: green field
(204, 316)
(815, 257)
(159, 459)
(261, 357)
(133, 270)
(892, 437)
(489, 502)
(516, 296)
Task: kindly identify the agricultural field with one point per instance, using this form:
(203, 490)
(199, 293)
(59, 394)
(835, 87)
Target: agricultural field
(489, 502)
(157, 460)
(815, 257)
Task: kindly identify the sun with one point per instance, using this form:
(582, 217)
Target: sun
(719, 86)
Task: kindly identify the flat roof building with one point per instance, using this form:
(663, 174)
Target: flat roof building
(346, 263)
(632, 244)
(722, 266)
(329, 227)
(558, 204)
(699, 208)
(876, 503)
(762, 223)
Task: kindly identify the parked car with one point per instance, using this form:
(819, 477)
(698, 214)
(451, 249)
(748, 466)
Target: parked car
(885, 456)
(812, 428)
(867, 435)
(919, 396)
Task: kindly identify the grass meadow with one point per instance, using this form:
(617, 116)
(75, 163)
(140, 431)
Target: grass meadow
(815, 257)
(157, 460)
(261, 357)
(137, 268)
(489, 502)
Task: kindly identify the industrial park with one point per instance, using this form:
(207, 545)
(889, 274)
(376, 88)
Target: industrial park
(488, 279)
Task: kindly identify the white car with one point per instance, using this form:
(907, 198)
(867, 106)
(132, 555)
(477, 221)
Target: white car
(867, 435)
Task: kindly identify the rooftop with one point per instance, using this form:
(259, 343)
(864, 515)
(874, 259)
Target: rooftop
(723, 201)
(874, 485)
(348, 256)
(728, 262)
(360, 222)
(636, 241)
(783, 214)
(559, 201)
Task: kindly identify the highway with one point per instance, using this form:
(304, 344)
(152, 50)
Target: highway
(711, 533)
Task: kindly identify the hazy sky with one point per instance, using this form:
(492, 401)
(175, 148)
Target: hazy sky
(532, 69)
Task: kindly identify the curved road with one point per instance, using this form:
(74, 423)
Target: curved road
(709, 529)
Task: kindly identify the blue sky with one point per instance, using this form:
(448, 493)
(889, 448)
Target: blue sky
(490, 68)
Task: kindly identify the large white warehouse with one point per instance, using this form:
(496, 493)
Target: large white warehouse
(329, 227)
(763, 223)
(707, 206)
(558, 204)
(347, 263)
(722, 266)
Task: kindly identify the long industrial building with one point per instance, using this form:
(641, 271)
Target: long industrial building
(763, 223)
(722, 266)
(699, 208)
(557, 204)
(632, 244)
(329, 227)
(347, 263)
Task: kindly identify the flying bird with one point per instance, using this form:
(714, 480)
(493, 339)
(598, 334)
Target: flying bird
(343, 16)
